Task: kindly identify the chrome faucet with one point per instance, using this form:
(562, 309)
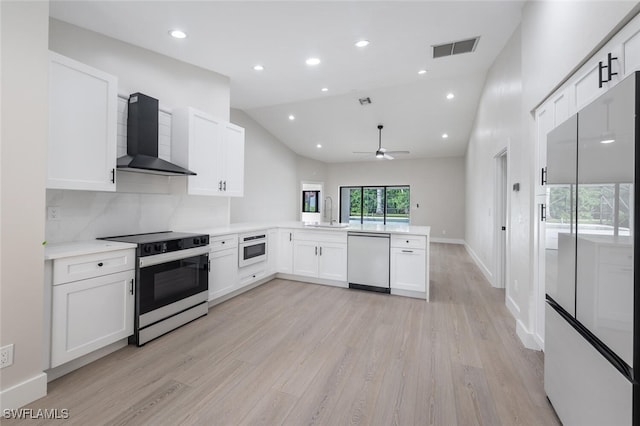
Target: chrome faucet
(329, 208)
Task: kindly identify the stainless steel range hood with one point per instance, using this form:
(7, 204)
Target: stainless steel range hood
(142, 140)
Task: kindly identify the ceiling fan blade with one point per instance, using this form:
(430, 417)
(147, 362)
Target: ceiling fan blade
(363, 152)
(398, 152)
(383, 150)
(388, 157)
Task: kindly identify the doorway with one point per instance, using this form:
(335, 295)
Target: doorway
(500, 219)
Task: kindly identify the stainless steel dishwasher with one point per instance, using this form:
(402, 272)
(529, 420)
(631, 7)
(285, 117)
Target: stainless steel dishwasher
(368, 261)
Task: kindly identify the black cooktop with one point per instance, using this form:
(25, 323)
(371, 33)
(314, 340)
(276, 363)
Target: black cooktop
(153, 237)
(162, 242)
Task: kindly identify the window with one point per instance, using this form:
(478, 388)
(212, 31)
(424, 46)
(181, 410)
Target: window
(374, 204)
(310, 202)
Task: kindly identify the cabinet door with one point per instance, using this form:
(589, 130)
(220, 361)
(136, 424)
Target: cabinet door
(90, 314)
(196, 144)
(82, 126)
(305, 258)
(272, 251)
(332, 261)
(223, 277)
(408, 268)
(285, 251)
(233, 178)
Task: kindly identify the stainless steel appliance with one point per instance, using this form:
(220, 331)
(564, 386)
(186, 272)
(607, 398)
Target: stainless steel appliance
(252, 248)
(592, 315)
(172, 281)
(368, 261)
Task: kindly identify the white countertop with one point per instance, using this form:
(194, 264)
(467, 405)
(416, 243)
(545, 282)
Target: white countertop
(79, 248)
(239, 228)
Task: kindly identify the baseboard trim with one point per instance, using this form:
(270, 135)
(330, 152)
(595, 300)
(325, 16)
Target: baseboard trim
(526, 337)
(322, 281)
(483, 268)
(513, 307)
(23, 393)
(61, 370)
(447, 240)
(221, 299)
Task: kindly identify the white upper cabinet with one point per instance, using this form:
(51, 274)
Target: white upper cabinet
(232, 161)
(211, 148)
(196, 141)
(82, 126)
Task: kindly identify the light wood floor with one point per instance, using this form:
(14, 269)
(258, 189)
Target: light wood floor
(294, 353)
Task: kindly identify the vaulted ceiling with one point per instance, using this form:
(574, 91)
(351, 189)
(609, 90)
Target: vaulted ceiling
(232, 37)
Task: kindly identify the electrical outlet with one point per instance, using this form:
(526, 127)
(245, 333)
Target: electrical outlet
(53, 213)
(6, 356)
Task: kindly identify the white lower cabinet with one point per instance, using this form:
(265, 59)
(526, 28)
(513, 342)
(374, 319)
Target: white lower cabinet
(223, 258)
(223, 277)
(272, 251)
(320, 255)
(408, 269)
(285, 251)
(408, 266)
(90, 314)
(252, 273)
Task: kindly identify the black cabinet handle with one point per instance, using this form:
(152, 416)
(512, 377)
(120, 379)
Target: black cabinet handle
(113, 175)
(131, 286)
(100, 264)
(543, 176)
(407, 251)
(320, 251)
(543, 213)
(225, 185)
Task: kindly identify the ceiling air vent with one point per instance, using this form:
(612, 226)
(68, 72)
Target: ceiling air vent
(365, 101)
(456, 47)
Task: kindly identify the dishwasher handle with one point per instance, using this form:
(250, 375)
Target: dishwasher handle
(368, 235)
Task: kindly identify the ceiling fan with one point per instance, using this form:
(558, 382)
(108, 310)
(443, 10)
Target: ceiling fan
(382, 152)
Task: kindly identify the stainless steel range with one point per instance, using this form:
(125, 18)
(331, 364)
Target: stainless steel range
(172, 283)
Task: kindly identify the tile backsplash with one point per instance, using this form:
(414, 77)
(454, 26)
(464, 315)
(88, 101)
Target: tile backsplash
(86, 215)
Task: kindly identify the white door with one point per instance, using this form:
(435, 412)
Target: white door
(223, 277)
(285, 251)
(82, 126)
(408, 269)
(233, 182)
(90, 314)
(305, 258)
(204, 148)
(332, 261)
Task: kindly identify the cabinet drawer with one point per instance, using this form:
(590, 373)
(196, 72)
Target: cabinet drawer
(252, 273)
(328, 237)
(223, 242)
(622, 256)
(409, 241)
(92, 265)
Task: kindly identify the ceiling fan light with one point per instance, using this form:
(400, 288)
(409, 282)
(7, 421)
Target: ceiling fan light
(379, 154)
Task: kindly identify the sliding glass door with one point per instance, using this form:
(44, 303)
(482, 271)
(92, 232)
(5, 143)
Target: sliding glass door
(374, 204)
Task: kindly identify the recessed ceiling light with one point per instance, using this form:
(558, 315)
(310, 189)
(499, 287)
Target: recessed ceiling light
(444, 136)
(313, 61)
(258, 67)
(292, 117)
(422, 72)
(177, 34)
(362, 43)
(319, 146)
(450, 96)
(324, 89)
(605, 141)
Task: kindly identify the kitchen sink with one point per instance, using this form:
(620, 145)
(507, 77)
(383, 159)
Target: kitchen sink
(327, 225)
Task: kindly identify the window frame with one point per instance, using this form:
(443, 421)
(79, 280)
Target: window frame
(362, 188)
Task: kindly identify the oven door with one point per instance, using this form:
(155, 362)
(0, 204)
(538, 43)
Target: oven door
(252, 252)
(170, 277)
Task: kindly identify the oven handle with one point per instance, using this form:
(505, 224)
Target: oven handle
(157, 259)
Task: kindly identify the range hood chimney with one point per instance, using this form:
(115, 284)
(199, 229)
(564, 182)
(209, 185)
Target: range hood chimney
(142, 140)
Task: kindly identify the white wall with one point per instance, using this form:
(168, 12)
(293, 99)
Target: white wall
(24, 116)
(86, 214)
(437, 186)
(173, 83)
(270, 176)
(554, 38)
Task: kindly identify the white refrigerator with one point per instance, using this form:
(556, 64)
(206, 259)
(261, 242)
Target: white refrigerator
(592, 310)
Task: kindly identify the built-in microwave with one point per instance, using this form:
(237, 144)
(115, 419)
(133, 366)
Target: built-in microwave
(252, 248)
